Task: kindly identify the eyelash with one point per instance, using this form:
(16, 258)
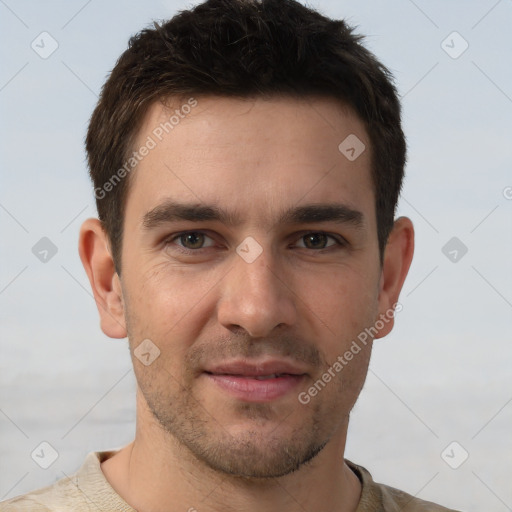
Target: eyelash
(339, 241)
(185, 250)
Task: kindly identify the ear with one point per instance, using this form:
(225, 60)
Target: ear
(97, 260)
(397, 260)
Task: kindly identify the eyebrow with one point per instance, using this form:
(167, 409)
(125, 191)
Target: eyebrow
(311, 213)
(172, 211)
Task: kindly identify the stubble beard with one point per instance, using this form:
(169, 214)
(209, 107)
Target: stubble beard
(255, 453)
(249, 454)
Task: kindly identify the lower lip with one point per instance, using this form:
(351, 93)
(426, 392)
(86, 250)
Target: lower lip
(254, 390)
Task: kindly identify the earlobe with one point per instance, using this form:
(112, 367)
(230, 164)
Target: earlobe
(106, 287)
(397, 260)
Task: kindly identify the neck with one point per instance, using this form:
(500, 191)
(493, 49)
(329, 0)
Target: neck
(155, 472)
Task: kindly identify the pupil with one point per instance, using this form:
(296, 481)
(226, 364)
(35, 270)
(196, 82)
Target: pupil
(316, 239)
(193, 240)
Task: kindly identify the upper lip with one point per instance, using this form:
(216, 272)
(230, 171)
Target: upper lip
(255, 368)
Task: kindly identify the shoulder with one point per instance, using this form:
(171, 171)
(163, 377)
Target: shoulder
(47, 499)
(379, 497)
(394, 499)
(86, 491)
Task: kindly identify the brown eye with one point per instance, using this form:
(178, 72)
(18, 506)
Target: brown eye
(316, 240)
(189, 243)
(192, 240)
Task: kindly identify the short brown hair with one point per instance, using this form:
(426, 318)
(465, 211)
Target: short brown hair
(243, 48)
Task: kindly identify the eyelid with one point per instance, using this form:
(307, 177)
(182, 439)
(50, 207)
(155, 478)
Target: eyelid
(176, 236)
(340, 241)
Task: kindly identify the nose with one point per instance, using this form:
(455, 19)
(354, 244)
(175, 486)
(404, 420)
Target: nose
(256, 297)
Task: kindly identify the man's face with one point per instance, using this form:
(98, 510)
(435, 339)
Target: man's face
(281, 281)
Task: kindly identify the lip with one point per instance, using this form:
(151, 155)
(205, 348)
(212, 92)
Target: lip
(256, 368)
(250, 389)
(239, 379)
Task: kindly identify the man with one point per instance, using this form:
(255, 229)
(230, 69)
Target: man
(247, 158)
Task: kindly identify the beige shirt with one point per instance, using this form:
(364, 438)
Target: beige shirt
(89, 491)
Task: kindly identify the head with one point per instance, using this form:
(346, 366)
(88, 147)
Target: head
(242, 49)
(247, 158)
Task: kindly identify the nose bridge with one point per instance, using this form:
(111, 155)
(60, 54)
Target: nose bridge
(254, 296)
(259, 278)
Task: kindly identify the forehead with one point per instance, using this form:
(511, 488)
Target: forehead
(252, 155)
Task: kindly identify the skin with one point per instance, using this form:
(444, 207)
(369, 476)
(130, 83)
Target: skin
(196, 445)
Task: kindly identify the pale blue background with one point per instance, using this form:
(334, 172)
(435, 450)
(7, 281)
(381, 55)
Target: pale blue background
(443, 375)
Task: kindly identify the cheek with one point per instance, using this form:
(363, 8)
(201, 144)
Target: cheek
(168, 305)
(344, 301)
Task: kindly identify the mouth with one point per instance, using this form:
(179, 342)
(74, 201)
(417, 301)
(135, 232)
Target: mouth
(260, 377)
(256, 382)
